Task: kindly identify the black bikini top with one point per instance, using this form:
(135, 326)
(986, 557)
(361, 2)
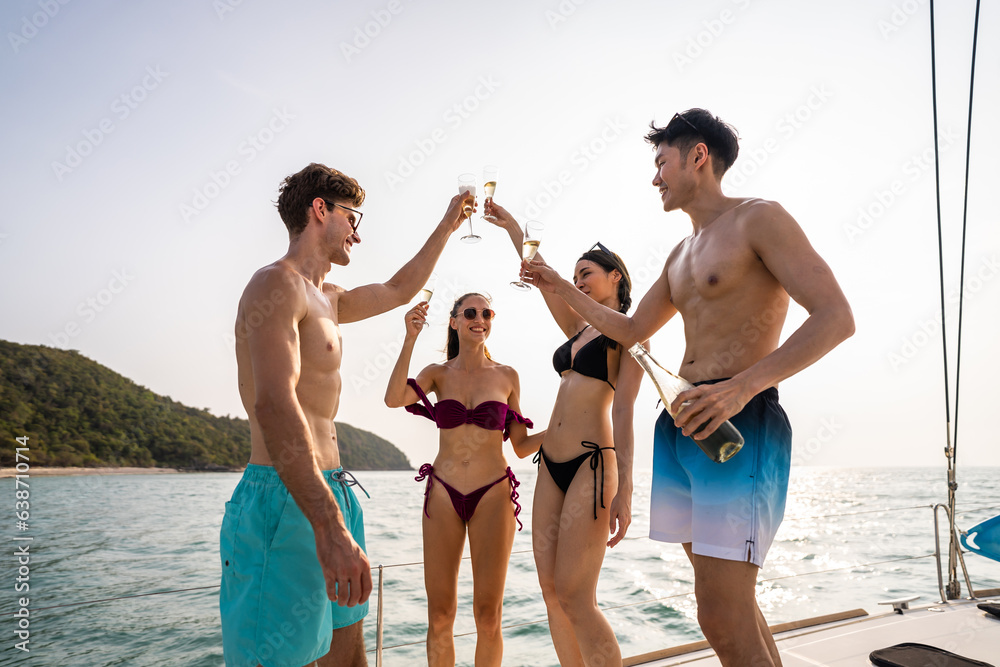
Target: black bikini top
(590, 360)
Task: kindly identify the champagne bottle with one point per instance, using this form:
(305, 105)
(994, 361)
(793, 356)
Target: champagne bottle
(723, 444)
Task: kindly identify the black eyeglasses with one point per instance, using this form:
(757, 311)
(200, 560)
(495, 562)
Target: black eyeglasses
(600, 246)
(690, 124)
(470, 314)
(354, 223)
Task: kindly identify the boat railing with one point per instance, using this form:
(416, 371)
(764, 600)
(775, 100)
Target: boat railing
(954, 589)
(379, 571)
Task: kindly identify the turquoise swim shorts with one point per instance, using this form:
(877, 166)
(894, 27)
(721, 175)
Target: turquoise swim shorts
(728, 510)
(273, 602)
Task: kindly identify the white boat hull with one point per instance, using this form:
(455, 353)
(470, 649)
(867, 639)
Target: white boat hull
(959, 626)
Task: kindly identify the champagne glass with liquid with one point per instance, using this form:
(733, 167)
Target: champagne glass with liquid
(467, 183)
(489, 187)
(532, 239)
(427, 292)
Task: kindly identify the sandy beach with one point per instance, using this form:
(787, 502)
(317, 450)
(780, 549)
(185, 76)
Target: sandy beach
(39, 471)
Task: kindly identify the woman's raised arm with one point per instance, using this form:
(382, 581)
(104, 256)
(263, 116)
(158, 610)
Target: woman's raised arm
(399, 394)
(568, 319)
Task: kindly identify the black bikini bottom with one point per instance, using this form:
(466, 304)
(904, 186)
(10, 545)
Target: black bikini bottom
(563, 472)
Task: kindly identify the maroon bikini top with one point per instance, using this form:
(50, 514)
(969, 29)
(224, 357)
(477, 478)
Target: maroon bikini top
(449, 413)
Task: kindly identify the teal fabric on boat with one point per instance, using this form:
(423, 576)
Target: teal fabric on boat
(984, 539)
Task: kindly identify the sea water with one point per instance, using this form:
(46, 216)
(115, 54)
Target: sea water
(124, 569)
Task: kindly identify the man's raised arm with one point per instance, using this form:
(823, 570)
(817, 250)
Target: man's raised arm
(369, 300)
(649, 316)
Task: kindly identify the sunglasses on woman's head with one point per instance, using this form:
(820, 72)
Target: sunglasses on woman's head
(470, 314)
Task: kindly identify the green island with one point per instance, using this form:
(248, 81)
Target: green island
(79, 413)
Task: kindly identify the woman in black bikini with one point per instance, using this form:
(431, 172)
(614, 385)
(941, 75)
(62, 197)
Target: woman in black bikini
(465, 489)
(584, 487)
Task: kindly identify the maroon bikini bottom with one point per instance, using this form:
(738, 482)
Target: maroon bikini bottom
(465, 503)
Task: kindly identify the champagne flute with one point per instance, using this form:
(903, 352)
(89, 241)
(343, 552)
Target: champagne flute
(467, 183)
(427, 292)
(532, 239)
(489, 187)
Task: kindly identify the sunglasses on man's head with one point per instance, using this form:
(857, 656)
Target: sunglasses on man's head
(690, 124)
(470, 314)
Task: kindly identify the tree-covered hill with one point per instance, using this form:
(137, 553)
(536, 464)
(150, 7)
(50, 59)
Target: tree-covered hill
(77, 412)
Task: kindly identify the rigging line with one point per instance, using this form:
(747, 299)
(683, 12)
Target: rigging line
(543, 620)
(949, 450)
(965, 215)
(202, 588)
(887, 509)
(937, 202)
(974, 509)
(524, 551)
(420, 562)
(122, 597)
(789, 576)
(848, 567)
(389, 648)
(677, 595)
(965, 510)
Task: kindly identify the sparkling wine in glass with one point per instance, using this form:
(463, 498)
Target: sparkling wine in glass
(427, 292)
(467, 183)
(489, 187)
(532, 239)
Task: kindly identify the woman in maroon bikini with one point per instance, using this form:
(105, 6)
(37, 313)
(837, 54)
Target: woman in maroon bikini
(469, 488)
(584, 487)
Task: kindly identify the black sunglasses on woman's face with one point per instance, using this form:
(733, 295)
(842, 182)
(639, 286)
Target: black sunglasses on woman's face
(470, 314)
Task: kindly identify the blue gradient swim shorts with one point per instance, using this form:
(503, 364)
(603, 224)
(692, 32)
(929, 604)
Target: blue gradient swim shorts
(273, 600)
(725, 510)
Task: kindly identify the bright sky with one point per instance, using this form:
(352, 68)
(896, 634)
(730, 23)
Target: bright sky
(144, 143)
